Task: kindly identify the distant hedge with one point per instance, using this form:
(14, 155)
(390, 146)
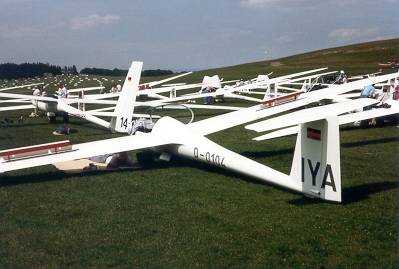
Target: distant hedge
(25, 70)
(103, 71)
(121, 72)
(157, 72)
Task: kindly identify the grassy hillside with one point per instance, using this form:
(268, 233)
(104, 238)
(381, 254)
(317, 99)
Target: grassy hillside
(354, 59)
(187, 215)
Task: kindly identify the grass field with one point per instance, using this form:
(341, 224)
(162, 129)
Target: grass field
(187, 215)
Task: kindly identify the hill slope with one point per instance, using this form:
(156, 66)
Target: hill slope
(354, 59)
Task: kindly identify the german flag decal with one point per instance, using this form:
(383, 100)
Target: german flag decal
(314, 134)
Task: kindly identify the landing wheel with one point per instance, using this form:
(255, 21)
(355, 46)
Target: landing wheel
(148, 158)
(65, 117)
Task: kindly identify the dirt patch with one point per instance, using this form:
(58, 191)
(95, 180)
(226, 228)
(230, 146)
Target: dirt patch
(331, 52)
(276, 64)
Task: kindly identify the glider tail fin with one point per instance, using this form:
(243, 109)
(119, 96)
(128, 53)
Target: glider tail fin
(124, 109)
(267, 92)
(316, 164)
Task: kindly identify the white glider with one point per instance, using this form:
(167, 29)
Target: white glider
(123, 115)
(308, 113)
(315, 169)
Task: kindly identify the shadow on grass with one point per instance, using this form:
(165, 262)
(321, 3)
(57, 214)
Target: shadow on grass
(26, 124)
(181, 162)
(73, 123)
(352, 194)
(86, 124)
(370, 142)
(362, 192)
(6, 137)
(349, 195)
(13, 180)
(176, 162)
(267, 153)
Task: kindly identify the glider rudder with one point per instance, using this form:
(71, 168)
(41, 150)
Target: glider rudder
(316, 164)
(125, 107)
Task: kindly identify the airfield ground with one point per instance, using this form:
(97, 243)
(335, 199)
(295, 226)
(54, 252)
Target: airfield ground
(187, 215)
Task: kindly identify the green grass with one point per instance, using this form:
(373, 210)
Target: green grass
(354, 59)
(188, 215)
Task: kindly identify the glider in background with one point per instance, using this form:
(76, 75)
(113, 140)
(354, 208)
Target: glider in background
(315, 169)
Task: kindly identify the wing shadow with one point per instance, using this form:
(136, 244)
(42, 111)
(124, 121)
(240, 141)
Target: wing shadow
(352, 194)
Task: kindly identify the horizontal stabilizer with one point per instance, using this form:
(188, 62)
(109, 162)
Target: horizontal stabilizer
(292, 81)
(222, 122)
(81, 114)
(279, 133)
(343, 119)
(112, 114)
(15, 101)
(86, 89)
(310, 114)
(22, 86)
(197, 106)
(368, 114)
(12, 108)
(273, 80)
(28, 97)
(155, 83)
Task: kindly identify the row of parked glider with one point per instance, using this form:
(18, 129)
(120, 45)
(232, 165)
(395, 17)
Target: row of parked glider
(315, 169)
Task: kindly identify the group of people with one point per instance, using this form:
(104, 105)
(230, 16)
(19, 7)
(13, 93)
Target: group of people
(62, 92)
(115, 88)
(342, 78)
(208, 99)
(36, 92)
(389, 92)
(394, 88)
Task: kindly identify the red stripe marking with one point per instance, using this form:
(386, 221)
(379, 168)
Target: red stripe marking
(55, 146)
(314, 134)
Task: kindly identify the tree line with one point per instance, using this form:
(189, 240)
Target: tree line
(121, 72)
(26, 70)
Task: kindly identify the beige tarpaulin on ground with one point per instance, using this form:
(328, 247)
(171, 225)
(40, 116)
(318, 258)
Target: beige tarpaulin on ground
(79, 166)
